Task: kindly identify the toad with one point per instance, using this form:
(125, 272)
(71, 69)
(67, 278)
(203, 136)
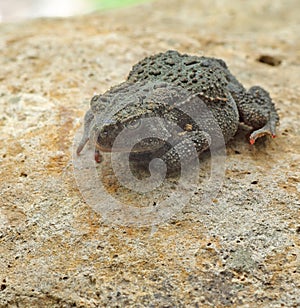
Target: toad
(161, 86)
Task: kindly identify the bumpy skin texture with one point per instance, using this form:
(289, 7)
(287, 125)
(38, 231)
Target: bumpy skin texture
(162, 86)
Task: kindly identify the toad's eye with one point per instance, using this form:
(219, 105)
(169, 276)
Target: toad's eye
(94, 98)
(134, 124)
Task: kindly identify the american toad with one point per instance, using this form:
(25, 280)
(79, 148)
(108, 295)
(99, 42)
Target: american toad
(155, 87)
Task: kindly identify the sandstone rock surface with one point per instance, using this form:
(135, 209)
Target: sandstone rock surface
(56, 251)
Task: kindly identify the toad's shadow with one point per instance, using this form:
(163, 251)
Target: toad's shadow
(139, 163)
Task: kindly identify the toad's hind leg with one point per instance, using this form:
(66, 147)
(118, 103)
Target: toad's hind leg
(257, 110)
(88, 121)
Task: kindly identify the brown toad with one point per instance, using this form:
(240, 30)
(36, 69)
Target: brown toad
(156, 87)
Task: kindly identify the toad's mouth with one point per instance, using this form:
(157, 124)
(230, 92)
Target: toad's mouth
(108, 149)
(105, 149)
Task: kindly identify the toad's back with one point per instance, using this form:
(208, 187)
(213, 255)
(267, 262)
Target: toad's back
(205, 75)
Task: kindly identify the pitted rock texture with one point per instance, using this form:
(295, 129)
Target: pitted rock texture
(56, 251)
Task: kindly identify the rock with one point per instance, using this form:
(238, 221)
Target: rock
(59, 250)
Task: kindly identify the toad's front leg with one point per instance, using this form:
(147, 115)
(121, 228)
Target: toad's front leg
(188, 148)
(88, 124)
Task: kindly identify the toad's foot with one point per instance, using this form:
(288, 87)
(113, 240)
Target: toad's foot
(98, 156)
(268, 129)
(257, 110)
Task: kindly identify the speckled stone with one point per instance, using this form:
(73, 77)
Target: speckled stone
(56, 251)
